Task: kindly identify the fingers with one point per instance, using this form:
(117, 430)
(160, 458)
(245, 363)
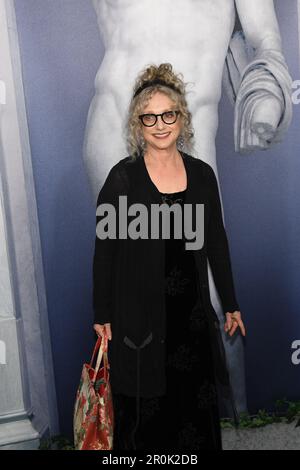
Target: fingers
(103, 330)
(228, 324)
(235, 325)
(232, 329)
(108, 330)
(233, 321)
(99, 329)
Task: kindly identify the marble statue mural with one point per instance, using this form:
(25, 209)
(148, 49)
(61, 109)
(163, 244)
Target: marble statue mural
(198, 41)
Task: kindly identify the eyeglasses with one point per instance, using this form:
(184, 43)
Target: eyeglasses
(168, 117)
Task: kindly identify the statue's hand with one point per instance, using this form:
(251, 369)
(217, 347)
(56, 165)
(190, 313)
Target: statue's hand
(266, 117)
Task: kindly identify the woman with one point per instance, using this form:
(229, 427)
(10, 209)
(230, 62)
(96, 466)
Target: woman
(151, 294)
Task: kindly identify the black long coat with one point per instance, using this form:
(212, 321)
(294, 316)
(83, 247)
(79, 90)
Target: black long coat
(128, 280)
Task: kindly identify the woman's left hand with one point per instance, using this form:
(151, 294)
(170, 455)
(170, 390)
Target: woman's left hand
(234, 320)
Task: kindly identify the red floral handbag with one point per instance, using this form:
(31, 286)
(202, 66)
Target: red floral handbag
(93, 419)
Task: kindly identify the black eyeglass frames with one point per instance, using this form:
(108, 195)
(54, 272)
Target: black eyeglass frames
(168, 117)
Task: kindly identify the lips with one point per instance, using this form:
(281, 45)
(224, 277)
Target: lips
(162, 135)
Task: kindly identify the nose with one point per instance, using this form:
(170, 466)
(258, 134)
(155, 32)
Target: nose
(160, 123)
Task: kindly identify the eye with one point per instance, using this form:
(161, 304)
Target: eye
(169, 114)
(148, 117)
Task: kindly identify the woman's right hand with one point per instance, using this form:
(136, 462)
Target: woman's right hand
(102, 330)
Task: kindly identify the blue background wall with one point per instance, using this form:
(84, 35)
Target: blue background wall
(60, 54)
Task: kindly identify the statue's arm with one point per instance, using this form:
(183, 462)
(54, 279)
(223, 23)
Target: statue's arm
(263, 108)
(259, 23)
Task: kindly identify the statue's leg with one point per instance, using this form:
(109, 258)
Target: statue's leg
(205, 124)
(104, 144)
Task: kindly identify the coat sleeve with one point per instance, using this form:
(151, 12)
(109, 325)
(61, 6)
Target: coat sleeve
(218, 249)
(105, 250)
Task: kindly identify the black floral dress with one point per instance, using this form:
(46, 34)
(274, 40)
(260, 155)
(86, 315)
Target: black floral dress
(187, 417)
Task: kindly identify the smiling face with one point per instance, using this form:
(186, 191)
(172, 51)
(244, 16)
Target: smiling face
(161, 136)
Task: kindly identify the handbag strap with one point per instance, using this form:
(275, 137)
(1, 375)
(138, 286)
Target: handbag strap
(97, 346)
(102, 346)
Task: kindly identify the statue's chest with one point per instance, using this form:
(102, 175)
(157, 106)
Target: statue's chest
(185, 10)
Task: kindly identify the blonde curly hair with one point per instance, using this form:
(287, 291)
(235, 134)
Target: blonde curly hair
(163, 72)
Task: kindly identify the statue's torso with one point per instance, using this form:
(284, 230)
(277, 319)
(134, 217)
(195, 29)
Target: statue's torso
(193, 35)
(122, 22)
